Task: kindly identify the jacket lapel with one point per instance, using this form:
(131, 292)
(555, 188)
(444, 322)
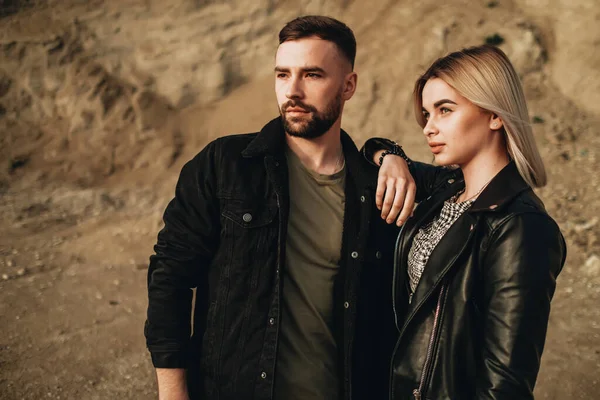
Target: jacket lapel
(443, 257)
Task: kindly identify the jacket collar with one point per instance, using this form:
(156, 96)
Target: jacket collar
(271, 141)
(503, 188)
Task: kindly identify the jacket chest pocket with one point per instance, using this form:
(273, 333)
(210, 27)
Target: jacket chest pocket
(249, 217)
(250, 229)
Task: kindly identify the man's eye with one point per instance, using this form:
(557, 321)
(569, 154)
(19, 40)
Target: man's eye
(313, 75)
(281, 75)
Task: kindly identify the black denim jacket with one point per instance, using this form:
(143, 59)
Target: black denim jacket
(225, 234)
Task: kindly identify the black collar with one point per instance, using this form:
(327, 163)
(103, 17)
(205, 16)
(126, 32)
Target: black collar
(271, 140)
(503, 188)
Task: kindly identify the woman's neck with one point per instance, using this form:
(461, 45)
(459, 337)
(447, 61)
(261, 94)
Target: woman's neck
(479, 173)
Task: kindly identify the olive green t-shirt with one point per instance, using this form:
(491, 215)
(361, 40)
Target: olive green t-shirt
(307, 357)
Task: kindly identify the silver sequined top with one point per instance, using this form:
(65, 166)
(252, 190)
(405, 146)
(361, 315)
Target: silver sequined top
(429, 236)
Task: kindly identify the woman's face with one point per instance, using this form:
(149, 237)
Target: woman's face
(457, 131)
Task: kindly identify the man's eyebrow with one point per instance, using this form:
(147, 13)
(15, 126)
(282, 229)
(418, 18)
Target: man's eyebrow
(303, 69)
(313, 69)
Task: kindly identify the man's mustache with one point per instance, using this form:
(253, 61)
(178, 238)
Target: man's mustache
(297, 104)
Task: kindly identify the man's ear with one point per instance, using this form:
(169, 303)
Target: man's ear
(349, 86)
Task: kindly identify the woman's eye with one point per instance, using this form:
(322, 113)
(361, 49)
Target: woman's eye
(426, 116)
(444, 110)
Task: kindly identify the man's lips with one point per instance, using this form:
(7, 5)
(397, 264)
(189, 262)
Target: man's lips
(436, 147)
(295, 110)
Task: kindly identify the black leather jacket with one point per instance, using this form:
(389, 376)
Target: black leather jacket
(225, 233)
(476, 325)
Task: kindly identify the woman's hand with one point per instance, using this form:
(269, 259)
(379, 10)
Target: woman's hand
(396, 189)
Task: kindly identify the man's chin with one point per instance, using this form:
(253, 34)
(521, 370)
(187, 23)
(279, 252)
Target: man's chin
(299, 120)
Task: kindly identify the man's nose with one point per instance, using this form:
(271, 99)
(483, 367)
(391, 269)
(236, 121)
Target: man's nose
(294, 89)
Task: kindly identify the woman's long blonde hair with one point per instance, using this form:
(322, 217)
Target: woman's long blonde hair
(485, 76)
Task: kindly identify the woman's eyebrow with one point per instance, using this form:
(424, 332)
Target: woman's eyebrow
(440, 102)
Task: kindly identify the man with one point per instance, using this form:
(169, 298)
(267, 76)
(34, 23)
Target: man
(279, 232)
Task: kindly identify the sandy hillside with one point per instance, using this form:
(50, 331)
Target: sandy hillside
(102, 101)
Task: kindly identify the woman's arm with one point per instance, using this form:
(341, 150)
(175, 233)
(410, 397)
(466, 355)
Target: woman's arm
(525, 255)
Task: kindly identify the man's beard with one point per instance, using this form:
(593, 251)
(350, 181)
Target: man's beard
(311, 125)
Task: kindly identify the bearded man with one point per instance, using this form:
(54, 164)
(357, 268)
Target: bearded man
(279, 233)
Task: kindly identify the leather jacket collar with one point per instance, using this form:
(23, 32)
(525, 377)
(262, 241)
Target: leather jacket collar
(504, 187)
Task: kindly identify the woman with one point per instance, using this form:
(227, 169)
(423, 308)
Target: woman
(476, 264)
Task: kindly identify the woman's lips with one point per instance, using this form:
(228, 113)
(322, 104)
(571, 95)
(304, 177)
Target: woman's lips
(436, 147)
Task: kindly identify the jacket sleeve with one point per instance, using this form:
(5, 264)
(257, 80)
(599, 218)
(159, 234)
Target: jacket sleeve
(427, 177)
(184, 248)
(525, 255)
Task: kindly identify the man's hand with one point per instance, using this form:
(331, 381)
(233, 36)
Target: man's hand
(172, 384)
(396, 189)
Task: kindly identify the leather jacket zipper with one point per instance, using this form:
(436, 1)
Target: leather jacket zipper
(427, 366)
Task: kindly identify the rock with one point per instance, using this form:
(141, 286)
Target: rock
(586, 225)
(9, 263)
(591, 267)
(21, 271)
(5, 277)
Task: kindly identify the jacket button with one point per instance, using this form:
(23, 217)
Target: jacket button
(379, 255)
(263, 375)
(362, 199)
(354, 254)
(247, 217)
(271, 321)
(277, 163)
(450, 180)
(346, 304)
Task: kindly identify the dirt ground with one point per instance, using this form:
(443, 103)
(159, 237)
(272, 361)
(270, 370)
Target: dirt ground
(101, 103)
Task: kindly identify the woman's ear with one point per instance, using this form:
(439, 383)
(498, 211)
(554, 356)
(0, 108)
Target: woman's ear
(496, 122)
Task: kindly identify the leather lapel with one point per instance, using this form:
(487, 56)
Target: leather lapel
(443, 257)
(425, 211)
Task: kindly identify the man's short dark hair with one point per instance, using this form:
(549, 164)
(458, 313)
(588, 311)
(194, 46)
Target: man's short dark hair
(326, 28)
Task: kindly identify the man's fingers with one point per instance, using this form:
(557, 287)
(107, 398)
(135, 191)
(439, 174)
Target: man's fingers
(388, 200)
(409, 203)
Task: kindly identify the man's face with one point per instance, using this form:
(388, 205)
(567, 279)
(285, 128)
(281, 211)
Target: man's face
(312, 82)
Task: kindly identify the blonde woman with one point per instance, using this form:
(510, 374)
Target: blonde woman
(476, 264)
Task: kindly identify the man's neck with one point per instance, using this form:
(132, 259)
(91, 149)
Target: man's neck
(323, 155)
